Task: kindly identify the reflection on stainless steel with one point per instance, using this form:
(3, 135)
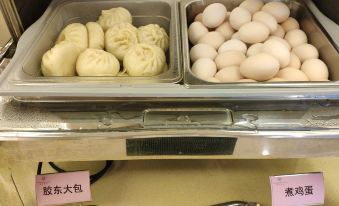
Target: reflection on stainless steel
(330, 26)
(3, 64)
(3, 50)
(187, 117)
(12, 19)
(328, 53)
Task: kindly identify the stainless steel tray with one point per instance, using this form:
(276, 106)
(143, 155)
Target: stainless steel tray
(315, 32)
(26, 68)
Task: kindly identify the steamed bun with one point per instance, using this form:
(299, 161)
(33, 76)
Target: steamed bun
(153, 34)
(96, 36)
(60, 60)
(144, 60)
(119, 39)
(113, 16)
(75, 33)
(124, 25)
(96, 62)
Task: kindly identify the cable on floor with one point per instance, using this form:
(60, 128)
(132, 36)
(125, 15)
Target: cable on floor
(93, 178)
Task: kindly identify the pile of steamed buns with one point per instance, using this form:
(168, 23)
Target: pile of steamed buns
(255, 42)
(111, 46)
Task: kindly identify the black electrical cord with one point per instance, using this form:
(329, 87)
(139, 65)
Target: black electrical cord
(93, 178)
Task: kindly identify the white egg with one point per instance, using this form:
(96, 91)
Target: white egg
(213, 80)
(291, 74)
(296, 37)
(230, 58)
(294, 61)
(260, 67)
(239, 16)
(315, 69)
(252, 5)
(253, 32)
(195, 31)
(226, 30)
(290, 24)
(278, 9)
(202, 51)
(233, 45)
(277, 50)
(280, 32)
(282, 41)
(198, 17)
(213, 38)
(267, 19)
(229, 74)
(204, 68)
(254, 49)
(246, 80)
(306, 51)
(214, 15)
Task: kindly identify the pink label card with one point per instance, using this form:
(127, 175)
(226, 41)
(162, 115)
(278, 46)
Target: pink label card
(63, 188)
(298, 189)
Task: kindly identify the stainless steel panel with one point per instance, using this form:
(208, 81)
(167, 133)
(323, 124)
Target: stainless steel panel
(263, 129)
(12, 18)
(316, 36)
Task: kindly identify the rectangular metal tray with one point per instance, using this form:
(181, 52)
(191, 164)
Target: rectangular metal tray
(316, 36)
(61, 13)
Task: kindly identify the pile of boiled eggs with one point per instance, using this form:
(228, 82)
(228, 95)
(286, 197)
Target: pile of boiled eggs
(255, 42)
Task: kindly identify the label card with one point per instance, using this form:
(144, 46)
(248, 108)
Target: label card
(298, 189)
(63, 188)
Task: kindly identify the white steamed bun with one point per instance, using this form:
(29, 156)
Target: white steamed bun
(96, 36)
(113, 16)
(96, 62)
(144, 60)
(60, 60)
(153, 34)
(119, 39)
(124, 25)
(75, 33)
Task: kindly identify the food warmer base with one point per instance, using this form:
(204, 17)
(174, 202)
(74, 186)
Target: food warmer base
(169, 123)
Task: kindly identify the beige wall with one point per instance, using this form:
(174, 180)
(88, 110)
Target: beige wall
(4, 33)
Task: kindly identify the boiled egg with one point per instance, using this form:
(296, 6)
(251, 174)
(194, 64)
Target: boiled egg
(233, 45)
(229, 58)
(253, 32)
(204, 68)
(214, 15)
(202, 51)
(260, 67)
(195, 31)
(239, 16)
(315, 69)
(229, 74)
(278, 9)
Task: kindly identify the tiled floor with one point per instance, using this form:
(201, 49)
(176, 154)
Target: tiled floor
(186, 182)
